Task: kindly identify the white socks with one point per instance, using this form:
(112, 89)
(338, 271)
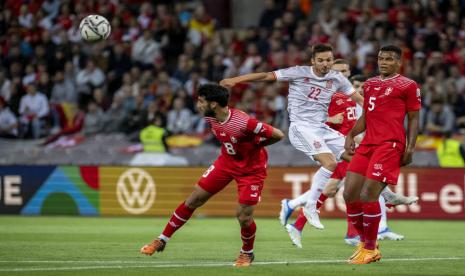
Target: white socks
(383, 221)
(319, 180)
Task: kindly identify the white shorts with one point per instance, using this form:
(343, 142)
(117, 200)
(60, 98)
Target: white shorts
(316, 139)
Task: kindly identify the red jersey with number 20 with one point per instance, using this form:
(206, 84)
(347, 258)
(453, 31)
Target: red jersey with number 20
(241, 137)
(340, 102)
(386, 103)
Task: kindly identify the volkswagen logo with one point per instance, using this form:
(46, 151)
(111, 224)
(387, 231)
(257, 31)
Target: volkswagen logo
(135, 191)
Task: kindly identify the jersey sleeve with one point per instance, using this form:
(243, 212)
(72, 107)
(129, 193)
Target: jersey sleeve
(413, 97)
(258, 128)
(345, 86)
(287, 74)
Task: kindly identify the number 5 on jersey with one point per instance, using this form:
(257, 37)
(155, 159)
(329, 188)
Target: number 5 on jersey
(371, 103)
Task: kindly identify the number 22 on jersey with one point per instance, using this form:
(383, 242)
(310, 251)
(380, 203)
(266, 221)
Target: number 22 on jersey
(314, 93)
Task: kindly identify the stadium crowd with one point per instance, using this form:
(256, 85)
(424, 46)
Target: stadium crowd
(52, 83)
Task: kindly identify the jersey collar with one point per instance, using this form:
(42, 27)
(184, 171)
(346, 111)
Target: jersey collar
(227, 119)
(393, 77)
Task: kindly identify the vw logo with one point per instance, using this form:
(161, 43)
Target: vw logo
(135, 191)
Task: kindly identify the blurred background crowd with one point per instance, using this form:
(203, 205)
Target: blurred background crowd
(52, 83)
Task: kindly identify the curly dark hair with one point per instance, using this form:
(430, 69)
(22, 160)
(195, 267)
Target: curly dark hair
(214, 93)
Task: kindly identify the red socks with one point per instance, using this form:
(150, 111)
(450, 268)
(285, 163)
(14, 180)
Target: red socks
(248, 237)
(300, 221)
(355, 217)
(371, 219)
(180, 216)
(320, 201)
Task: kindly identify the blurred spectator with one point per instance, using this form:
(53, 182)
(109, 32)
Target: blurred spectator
(153, 137)
(440, 119)
(269, 14)
(201, 26)
(179, 119)
(115, 116)
(93, 120)
(91, 76)
(63, 90)
(136, 116)
(33, 109)
(5, 86)
(146, 50)
(195, 80)
(8, 121)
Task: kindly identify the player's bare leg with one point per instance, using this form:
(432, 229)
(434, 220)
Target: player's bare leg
(319, 180)
(248, 228)
(352, 189)
(371, 218)
(180, 216)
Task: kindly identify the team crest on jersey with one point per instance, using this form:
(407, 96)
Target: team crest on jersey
(317, 145)
(306, 79)
(340, 101)
(388, 91)
(329, 84)
(378, 166)
(233, 139)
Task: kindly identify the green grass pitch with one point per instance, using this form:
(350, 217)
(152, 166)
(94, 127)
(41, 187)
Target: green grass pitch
(110, 246)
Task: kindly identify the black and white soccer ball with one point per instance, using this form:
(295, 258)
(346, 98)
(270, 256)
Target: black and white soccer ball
(94, 28)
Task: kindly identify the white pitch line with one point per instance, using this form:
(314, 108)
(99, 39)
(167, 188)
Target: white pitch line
(176, 265)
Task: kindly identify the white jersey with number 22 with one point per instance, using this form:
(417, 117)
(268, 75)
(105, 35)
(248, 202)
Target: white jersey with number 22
(310, 95)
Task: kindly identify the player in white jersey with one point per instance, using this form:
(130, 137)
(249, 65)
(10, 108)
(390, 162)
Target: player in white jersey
(310, 92)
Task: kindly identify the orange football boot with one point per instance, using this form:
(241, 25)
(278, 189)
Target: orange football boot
(156, 245)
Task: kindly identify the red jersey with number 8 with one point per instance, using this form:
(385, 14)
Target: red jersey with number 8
(242, 139)
(386, 103)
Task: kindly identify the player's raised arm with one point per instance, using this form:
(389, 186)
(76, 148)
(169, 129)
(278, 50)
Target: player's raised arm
(230, 82)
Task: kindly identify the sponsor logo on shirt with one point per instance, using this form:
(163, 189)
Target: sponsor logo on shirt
(378, 174)
(377, 88)
(233, 139)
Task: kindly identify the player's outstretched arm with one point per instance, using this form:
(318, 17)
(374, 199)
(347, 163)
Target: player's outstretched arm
(412, 133)
(230, 82)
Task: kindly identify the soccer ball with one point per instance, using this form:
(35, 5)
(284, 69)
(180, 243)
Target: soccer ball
(94, 28)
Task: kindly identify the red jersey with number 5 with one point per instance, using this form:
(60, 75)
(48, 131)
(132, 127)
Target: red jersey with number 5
(241, 140)
(340, 102)
(386, 103)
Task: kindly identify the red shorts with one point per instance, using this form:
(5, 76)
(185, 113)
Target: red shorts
(381, 162)
(340, 171)
(249, 184)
